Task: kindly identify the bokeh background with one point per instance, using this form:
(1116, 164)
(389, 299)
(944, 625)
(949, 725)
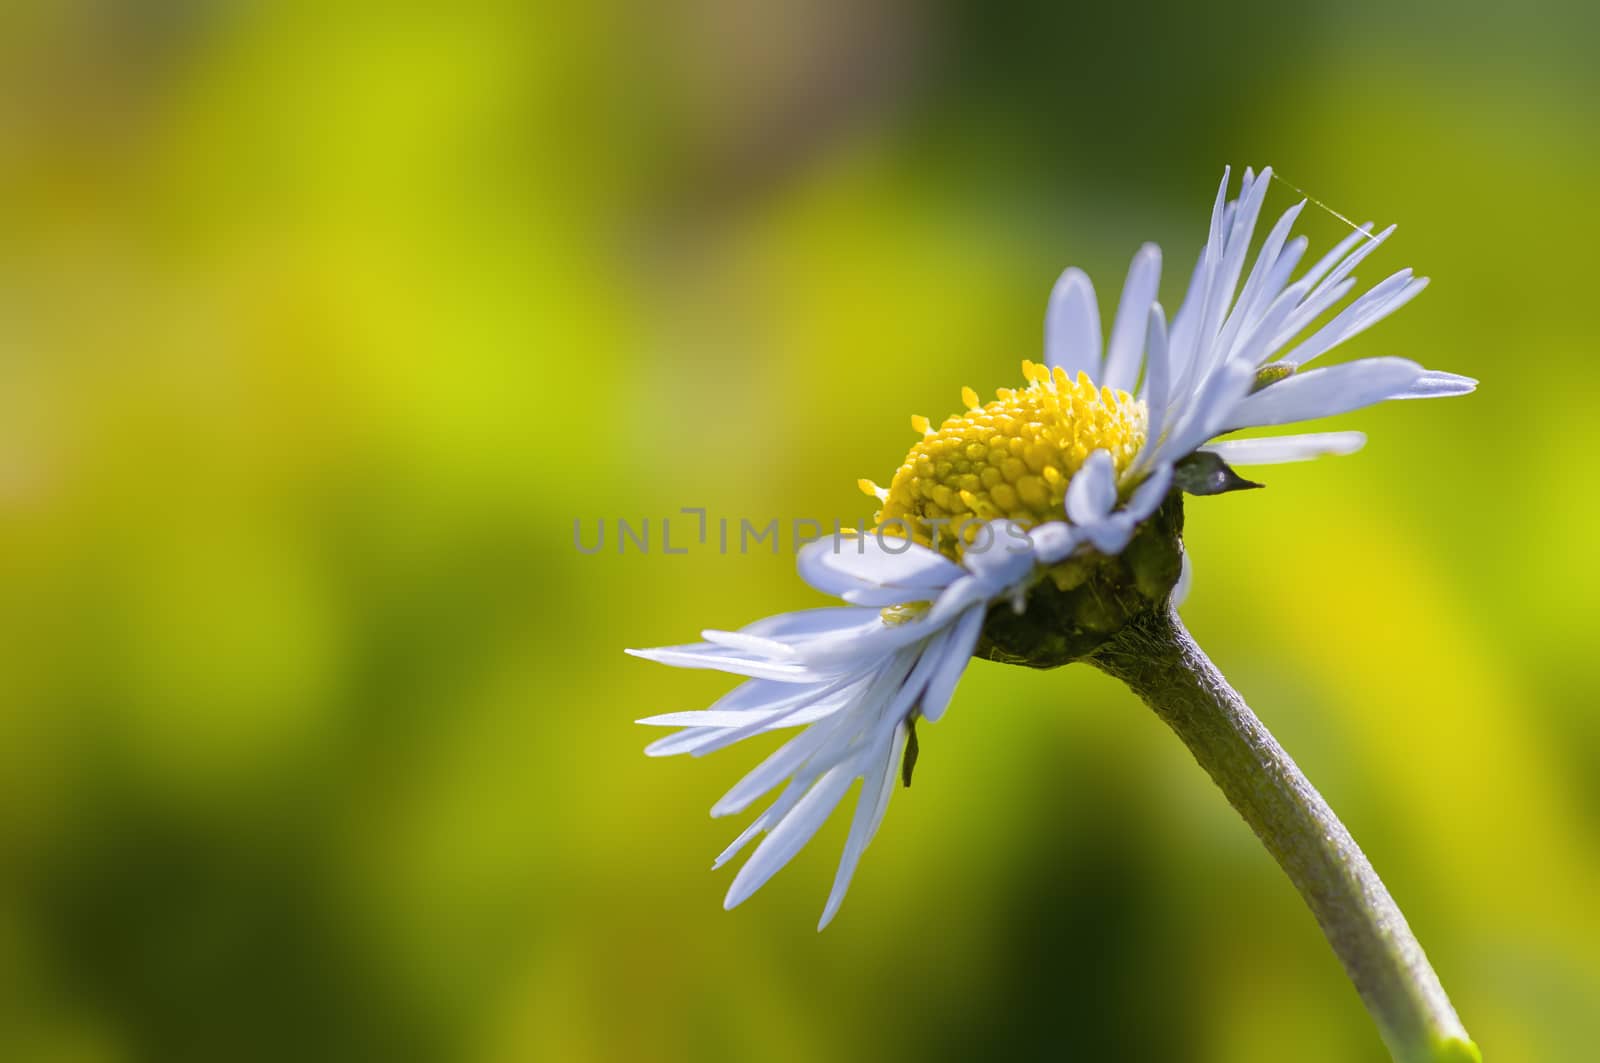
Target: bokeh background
(320, 325)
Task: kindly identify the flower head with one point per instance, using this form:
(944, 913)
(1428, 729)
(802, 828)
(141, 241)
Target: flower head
(1010, 459)
(1031, 528)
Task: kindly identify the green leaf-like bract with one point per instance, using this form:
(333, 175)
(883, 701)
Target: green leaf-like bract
(1204, 473)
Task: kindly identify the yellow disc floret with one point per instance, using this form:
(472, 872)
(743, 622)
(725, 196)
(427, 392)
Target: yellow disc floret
(1010, 458)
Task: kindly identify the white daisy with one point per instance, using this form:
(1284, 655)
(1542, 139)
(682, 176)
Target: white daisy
(1039, 490)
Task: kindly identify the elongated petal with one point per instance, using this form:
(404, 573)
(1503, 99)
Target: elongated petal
(1054, 541)
(1263, 284)
(1093, 491)
(1436, 385)
(1326, 294)
(1324, 392)
(872, 562)
(1149, 495)
(806, 623)
(686, 741)
(1133, 315)
(750, 645)
(1367, 310)
(1185, 324)
(779, 765)
(779, 809)
(1277, 280)
(755, 697)
(884, 596)
(816, 699)
(1244, 223)
(790, 836)
(876, 787)
(1157, 383)
(955, 655)
(1321, 267)
(1072, 325)
(1006, 556)
(1194, 352)
(1274, 450)
(694, 657)
(1180, 590)
(1218, 398)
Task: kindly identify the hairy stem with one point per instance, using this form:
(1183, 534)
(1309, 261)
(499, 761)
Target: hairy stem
(1156, 656)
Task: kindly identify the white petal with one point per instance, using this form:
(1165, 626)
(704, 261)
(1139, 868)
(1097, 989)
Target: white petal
(956, 654)
(1340, 249)
(1133, 314)
(1193, 332)
(1072, 325)
(1093, 491)
(876, 786)
(748, 644)
(719, 718)
(1331, 289)
(1367, 310)
(1157, 382)
(1238, 245)
(776, 767)
(1274, 450)
(1149, 495)
(1110, 534)
(775, 812)
(1305, 310)
(1267, 334)
(682, 742)
(1265, 280)
(821, 702)
(1218, 398)
(845, 651)
(878, 597)
(1434, 384)
(1186, 323)
(873, 561)
(806, 704)
(1052, 542)
(1325, 392)
(756, 826)
(825, 743)
(1006, 557)
(757, 696)
(1276, 281)
(807, 623)
(1180, 590)
(698, 657)
(791, 835)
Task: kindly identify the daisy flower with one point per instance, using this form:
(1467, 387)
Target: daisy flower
(1032, 527)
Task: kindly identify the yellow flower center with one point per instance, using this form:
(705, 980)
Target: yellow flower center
(1010, 458)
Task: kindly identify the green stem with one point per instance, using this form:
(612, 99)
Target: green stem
(1160, 661)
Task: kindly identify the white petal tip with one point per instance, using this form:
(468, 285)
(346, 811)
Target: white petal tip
(1434, 384)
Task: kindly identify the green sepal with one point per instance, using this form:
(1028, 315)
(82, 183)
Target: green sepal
(908, 762)
(1205, 473)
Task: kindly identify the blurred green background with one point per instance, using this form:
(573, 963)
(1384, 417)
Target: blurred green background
(321, 324)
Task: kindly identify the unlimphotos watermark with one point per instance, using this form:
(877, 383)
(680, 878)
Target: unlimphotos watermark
(742, 535)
